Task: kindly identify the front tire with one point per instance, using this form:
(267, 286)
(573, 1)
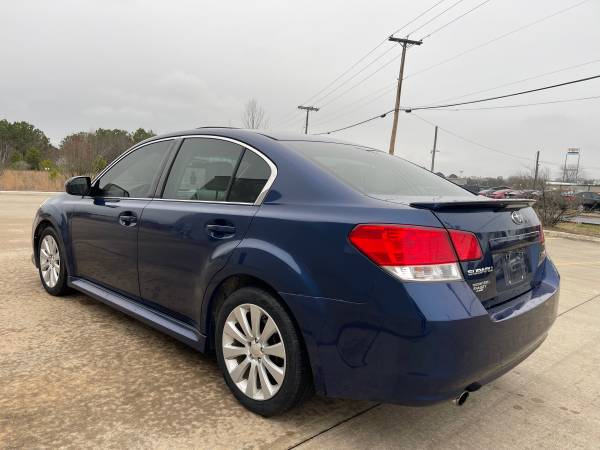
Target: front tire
(52, 268)
(260, 353)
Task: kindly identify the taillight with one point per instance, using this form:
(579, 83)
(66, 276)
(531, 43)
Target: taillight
(416, 253)
(542, 241)
(541, 237)
(466, 245)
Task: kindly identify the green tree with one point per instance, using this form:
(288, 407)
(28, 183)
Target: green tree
(99, 164)
(140, 134)
(33, 157)
(18, 137)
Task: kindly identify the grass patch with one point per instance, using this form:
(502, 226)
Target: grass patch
(586, 229)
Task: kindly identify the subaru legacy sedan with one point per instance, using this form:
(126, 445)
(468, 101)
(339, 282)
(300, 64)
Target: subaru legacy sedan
(306, 264)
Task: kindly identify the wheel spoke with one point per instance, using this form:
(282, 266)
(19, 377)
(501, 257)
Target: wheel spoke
(233, 351)
(265, 384)
(252, 377)
(52, 281)
(53, 246)
(276, 372)
(255, 319)
(237, 374)
(268, 330)
(55, 271)
(44, 254)
(240, 315)
(234, 333)
(46, 275)
(275, 350)
(46, 246)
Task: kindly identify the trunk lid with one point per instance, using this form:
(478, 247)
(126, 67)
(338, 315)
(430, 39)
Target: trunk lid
(509, 233)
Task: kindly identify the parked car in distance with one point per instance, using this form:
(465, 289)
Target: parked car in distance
(306, 264)
(501, 193)
(587, 201)
(488, 192)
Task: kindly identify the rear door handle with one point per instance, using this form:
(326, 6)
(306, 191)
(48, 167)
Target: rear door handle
(220, 231)
(128, 219)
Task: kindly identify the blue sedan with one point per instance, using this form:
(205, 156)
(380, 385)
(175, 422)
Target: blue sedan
(306, 264)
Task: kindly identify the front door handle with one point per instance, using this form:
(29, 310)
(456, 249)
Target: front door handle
(128, 219)
(220, 231)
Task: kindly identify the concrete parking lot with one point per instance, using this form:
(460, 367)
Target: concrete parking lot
(77, 374)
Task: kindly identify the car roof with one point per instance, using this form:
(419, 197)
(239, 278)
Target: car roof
(234, 133)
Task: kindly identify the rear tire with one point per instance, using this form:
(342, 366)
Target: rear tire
(260, 353)
(52, 266)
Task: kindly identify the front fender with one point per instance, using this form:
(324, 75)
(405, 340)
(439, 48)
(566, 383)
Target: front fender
(52, 211)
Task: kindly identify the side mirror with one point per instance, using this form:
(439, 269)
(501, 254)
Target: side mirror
(78, 185)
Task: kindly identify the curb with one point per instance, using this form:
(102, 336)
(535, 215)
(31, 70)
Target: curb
(572, 236)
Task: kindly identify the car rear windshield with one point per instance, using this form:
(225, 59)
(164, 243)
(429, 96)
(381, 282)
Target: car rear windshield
(377, 173)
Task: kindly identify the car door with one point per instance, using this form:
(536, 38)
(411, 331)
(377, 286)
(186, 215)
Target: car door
(186, 236)
(104, 225)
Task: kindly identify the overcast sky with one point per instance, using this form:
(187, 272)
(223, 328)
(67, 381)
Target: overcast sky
(168, 65)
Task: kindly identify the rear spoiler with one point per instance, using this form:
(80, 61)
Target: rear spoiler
(509, 203)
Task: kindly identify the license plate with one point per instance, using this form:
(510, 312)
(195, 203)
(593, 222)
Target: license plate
(515, 267)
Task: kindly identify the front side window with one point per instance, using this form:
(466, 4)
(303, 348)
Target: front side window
(202, 170)
(134, 175)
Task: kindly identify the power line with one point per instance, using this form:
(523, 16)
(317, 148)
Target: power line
(417, 108)
(456, 18)
(379, 116)
(517, 81)
(487, 147)
(347, 80)
(502, 36)
(371, 97)
(529, 91)
(376, 95)
(436, 16)
(468, 51)
(567, 100)
(471, 141)
(370, 52)
(380, 68)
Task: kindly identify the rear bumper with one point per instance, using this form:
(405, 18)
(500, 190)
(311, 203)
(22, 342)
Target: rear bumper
(368, 351)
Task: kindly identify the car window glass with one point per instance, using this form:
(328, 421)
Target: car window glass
(250, 178)
(202, 170)
(374, 172)
(133, 175)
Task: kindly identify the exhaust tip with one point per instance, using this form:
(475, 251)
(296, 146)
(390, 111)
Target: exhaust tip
(461, 399)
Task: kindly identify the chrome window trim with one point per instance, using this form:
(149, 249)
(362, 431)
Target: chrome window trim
(126, 153)
(259, 199)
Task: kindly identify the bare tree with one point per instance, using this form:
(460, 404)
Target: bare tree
(254, 116)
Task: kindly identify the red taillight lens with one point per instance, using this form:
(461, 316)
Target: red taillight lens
(401, 245)
(466, 245)
(541, 234)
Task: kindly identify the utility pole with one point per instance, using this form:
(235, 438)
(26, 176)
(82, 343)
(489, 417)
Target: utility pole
(537, 166)
(405, 43)
(308, 110)
(434, 149)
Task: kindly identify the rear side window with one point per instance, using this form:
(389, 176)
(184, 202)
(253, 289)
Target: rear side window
(250, 178)
(203, 170)
(134, 175)
(376, 173)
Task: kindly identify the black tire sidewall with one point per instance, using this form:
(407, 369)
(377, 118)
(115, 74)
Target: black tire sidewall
(297, 380)
(61, 285)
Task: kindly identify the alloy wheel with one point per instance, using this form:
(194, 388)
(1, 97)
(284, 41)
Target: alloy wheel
(49, 261)
(254, 351)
